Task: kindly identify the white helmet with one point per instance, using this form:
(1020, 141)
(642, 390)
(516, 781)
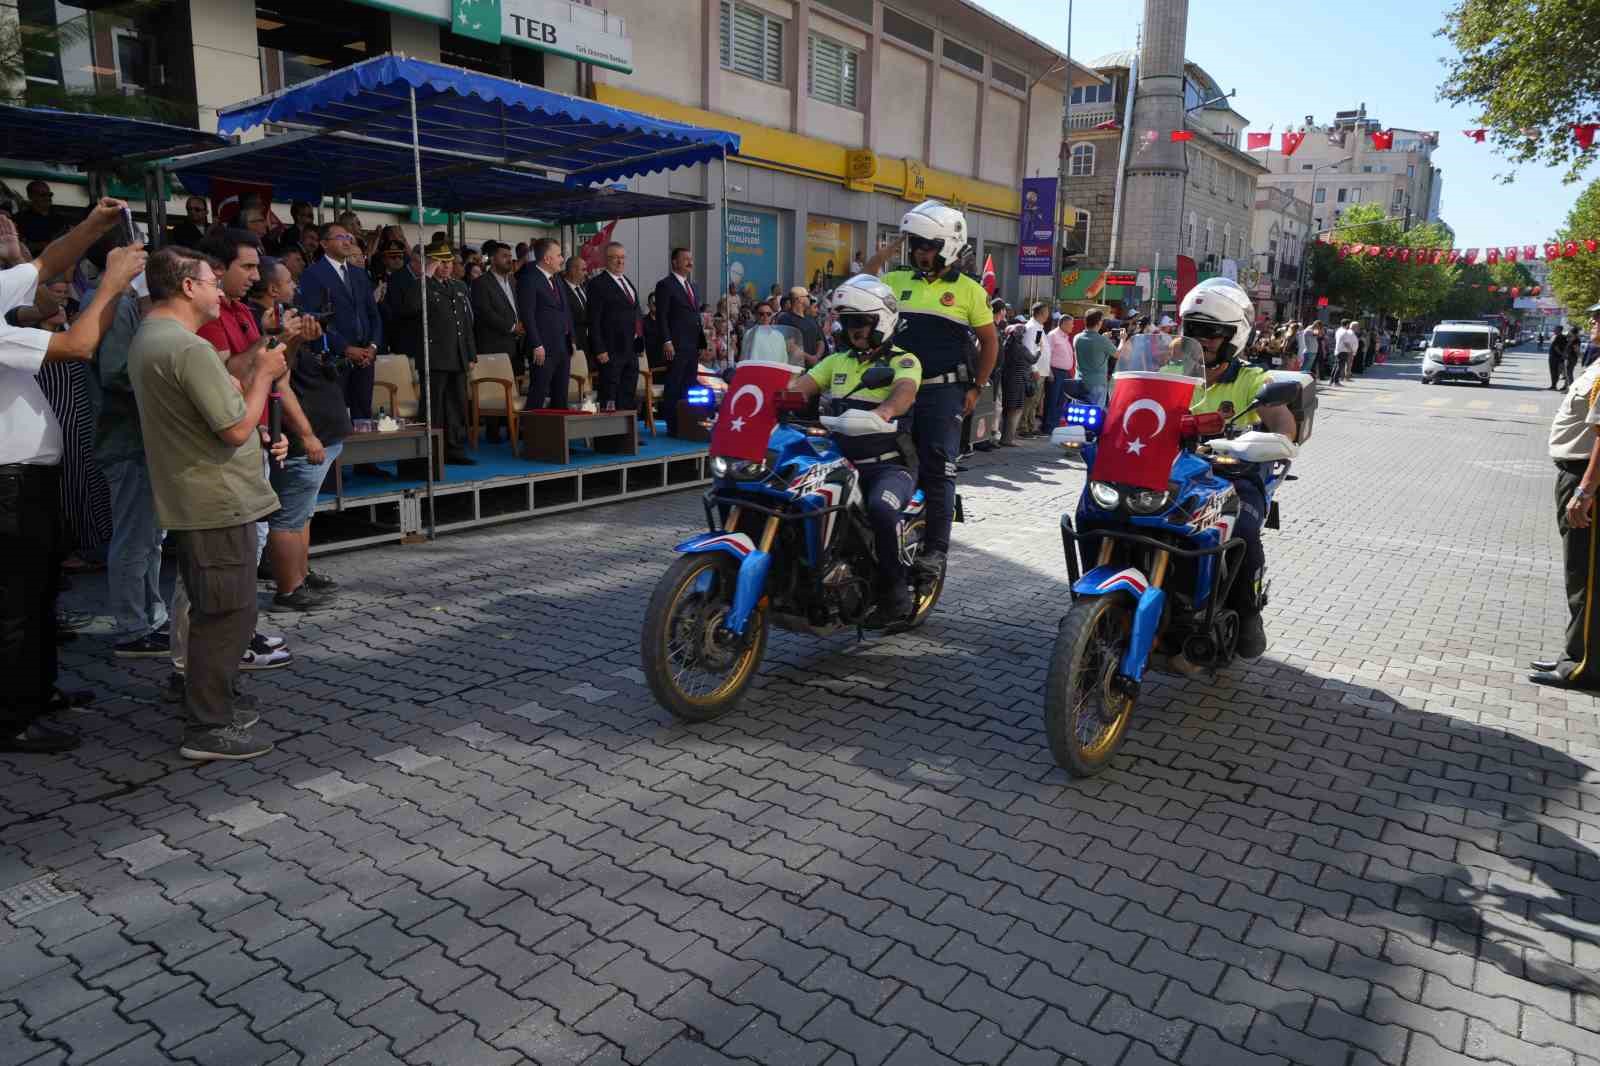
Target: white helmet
(1218, 304)
(932, 221)
(866, 295)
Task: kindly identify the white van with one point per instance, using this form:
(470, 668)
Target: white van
(1459, 351)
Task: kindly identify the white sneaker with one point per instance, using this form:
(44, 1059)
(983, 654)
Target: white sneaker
(265, 642)
(265, 660)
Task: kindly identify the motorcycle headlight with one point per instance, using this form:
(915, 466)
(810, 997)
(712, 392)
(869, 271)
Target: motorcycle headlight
(1105, 496)
(719, 466)
(1149, 501)
(740, 469)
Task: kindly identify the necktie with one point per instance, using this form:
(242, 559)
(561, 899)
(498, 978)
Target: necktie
(583, 303)
(688, 286)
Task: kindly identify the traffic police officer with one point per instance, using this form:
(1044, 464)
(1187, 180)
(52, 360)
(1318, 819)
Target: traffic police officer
(866, 310)
(941, 309)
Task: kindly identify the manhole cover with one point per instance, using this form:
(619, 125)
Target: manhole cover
(30, 897)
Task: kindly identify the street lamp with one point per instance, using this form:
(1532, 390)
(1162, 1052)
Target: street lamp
(1300, 276)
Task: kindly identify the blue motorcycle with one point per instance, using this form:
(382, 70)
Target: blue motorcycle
(1151, 571)
(788, 542)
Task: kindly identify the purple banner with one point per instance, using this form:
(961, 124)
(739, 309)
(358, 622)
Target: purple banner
(1036, 242)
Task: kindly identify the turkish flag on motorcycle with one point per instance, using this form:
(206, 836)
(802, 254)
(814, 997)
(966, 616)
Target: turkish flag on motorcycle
(750, 410)
(1142, 433)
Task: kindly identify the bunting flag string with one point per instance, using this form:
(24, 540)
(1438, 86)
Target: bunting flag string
(1511, 253)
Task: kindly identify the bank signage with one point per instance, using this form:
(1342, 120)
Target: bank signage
(587, 34)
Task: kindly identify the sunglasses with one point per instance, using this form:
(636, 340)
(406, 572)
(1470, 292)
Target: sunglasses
(1204, 331)
(924, 244)
(857, 321)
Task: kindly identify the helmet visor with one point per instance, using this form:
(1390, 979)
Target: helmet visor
(916, 244)
(850, 320)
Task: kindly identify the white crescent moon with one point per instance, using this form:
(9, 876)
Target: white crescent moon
(753, 390)
(1151, 405)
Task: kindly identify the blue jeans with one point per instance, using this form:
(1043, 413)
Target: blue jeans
(297, 483)
(133, 561)
(1099, 395)
(1054, 392)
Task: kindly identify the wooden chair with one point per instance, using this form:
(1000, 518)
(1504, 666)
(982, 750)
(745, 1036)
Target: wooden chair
(397, 378)
(582, 380)
(650, 392)
(492, 393)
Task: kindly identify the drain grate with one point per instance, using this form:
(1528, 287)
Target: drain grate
(30, 897)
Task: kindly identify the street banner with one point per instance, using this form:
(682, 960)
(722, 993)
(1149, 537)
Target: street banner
(750, 411)
(1036, 241)
(1143, 428)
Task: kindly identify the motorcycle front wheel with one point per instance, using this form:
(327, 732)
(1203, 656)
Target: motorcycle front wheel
(1085, 717)
(695, 669)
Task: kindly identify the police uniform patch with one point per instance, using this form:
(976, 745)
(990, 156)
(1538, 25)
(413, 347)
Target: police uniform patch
(948, 299)
(839, 379)
(907, 363)
(906, 295)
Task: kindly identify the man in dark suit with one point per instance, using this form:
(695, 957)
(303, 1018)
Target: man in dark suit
(575, 274)
(542, 306)
(402, 301)
(496, 326)
(683, 339)
(356, 330)
(616, 331)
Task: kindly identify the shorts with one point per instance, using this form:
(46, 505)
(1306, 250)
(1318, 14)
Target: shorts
(297, 484)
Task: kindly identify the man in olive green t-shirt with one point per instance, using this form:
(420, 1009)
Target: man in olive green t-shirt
(204, 454)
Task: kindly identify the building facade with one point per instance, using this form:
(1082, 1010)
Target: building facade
(1210, 184)
(850, 111)
(1337, 167)
(1279, 232)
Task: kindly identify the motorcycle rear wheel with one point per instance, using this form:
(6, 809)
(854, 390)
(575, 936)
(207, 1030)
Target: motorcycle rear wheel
(1085, 717)
(681, 640)
(923, 605)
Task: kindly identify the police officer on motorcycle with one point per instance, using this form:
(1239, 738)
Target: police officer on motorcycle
(941, 309)
(867, 315)
(1217, 314)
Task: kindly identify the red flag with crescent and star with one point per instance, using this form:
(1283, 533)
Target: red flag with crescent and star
(1142, 433)
(989, 281)
(750, 410)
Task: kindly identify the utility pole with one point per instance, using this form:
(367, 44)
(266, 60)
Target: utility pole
(1064, 165)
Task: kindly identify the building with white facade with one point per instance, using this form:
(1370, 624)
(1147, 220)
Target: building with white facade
(1280, 230)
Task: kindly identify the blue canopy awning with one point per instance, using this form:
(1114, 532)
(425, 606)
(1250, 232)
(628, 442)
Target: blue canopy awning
(484, 117)
(83, 139)
(309, 165)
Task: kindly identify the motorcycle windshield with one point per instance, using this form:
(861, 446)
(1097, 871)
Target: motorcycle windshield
(772, 344)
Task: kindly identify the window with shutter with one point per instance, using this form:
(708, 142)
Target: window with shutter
(751, 42)
(832, 73)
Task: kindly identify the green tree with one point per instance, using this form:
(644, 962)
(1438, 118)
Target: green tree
(1576, 281)
(1527, 68)
(1362, 284)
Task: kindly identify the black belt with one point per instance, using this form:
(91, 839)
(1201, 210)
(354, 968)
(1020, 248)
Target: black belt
(1572, 466)
(32, 473)
(894, 456)
(955, 377)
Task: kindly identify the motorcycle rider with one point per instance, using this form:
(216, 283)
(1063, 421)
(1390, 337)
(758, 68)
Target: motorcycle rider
(1217, 314)
(867, 315)
(941, 309)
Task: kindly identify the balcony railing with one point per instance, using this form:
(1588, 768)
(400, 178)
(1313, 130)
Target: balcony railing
(1089, 119)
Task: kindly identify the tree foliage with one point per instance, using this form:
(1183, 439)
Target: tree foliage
(1576, 281)
(1527, 68)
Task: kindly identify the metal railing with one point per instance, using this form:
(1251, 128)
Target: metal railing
(1086, 120)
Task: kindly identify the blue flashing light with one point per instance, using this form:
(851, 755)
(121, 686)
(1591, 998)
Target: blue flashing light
(700, 396)
(1089, 416)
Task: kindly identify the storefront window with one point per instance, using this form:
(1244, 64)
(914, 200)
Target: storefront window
(112, 60)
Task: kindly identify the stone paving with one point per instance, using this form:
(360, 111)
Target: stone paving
(479, 841)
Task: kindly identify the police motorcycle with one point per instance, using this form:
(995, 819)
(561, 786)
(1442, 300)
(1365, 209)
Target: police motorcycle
(1151, 569)
(788, 542)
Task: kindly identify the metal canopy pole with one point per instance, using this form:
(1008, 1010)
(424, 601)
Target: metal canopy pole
(427, 366)
(722, 205)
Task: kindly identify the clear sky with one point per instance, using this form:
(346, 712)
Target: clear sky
(1379, 52)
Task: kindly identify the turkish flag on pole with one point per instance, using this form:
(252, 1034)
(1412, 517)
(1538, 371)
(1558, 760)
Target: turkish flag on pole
(1477, 135)
(1256, 141)
(1291, 142)
(989, 282)
(1382, 142)
(750, 410)
(1143, 428)
(593, 250)
(226, 194)
(1181, 135)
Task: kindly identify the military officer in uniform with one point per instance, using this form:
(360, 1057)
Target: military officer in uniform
(451, 350)
(941, 310)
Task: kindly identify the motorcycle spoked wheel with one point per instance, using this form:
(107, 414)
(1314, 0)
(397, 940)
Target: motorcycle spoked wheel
(693, 671)
(1085, 717)
(924, 603)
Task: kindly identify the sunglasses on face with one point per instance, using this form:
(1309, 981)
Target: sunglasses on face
(924, 244)
(1204, 331)
(857, 321)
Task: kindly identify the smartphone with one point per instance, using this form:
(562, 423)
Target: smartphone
(127, 225)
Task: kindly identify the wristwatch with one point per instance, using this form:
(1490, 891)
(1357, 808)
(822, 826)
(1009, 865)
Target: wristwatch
(1584, 494)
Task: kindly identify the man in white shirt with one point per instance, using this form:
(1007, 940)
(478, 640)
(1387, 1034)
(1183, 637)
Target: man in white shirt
(1346, 342)
(30, 475)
